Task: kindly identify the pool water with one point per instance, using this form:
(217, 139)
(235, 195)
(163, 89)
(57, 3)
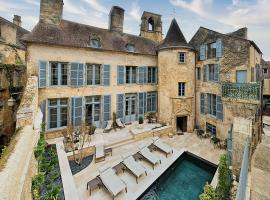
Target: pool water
(184, 180)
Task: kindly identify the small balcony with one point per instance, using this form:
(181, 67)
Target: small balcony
(242, 91)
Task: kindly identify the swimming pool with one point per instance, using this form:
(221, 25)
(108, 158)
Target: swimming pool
(184, 180)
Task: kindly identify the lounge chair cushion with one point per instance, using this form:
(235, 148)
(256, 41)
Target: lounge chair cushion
(100, 151)
(154, 159)
(162, 146)
(135, 167)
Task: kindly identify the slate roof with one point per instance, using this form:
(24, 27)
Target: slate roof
(174, 37)
(20, 31)
(74, 34)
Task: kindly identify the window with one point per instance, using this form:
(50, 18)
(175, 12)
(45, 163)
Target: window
(252, 74)
(152, 73)
(95, 43)
(213, 72)
(151, 24)
(241, 76)
(198, 73)
(131, 74)
(93, 74)
(181, 89)
(212, 104)
(58, 73)
(211, 50)
(211, 129)
(151, 102)
(92, 110)
(58, 109)
(202, 106)
(265, 71)
(130, 48)
(182, 57)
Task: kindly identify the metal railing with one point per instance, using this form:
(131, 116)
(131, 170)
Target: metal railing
(245, 91)
(242, 187)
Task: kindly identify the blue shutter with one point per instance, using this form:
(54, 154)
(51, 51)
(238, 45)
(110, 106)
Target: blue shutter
(106, 75)
(219, 108)
(77, 111)
(73, 74)
(202, 52)
(252, 74)
(154, 102)
(141, 75)
(202, 104)
(216, 72)
(204, 73)
(42, 74)
(120, 74)
(43, 110)
(80, 75)
(120, 106)
(145, 74)
(156, 71)
(141, 103)
(106, 108)
(241, 76)
(219, 48)
(208, 104)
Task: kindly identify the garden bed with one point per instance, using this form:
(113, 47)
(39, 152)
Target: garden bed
(75, 168)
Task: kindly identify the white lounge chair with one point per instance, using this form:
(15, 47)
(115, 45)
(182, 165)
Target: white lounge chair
(162, 146)
(136, 169)
(119, 123)
(111, 181)
(108, 126)
(100, 153)
(149, 156)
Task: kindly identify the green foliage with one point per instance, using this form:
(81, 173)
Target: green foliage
(53, 193)
(140, 119)
(223, 177)
(208, 192)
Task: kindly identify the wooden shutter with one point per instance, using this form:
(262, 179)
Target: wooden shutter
(80, 75)
(219, 108)
(77, 105)
(145, 74)
(216, 72)
(202, 104)
(204, 73)
(202, 52)
(208, 104)
(43, 110)
(120, 74)
(42, 81)
(154, 102)
(219, 48)
(121, 106)
(141, 75)
(252, 74)
(141, 103)
(77, 74)
(106, 75)
(106, 108)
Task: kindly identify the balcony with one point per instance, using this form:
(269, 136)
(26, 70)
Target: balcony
(242, 91)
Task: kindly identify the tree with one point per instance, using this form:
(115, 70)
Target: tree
(223, 177)
(208, 192)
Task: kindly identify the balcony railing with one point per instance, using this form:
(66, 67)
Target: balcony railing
(245, 91)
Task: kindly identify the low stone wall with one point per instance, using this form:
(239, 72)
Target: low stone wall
(15, 178)
(152, 133)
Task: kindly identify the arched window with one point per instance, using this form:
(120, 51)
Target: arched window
(150, 24)
(130, 47)
(95, 43)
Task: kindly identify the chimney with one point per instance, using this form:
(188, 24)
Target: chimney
(17, 20)
(116, 20)
(51, 11)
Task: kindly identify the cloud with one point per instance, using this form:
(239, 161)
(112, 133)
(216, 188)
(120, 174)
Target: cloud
(135, 12)
(73, 9)
(32, 2)
(97, 6)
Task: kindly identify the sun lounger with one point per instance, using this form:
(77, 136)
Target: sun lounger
(111, 181)
(162, 146)
(136, 169)
(100, 153)
(149, 156)
(119, 123)
(108, 126)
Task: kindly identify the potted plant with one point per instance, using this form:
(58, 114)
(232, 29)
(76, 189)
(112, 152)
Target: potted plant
(140, 119)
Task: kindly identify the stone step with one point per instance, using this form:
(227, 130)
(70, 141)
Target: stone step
(120, 143)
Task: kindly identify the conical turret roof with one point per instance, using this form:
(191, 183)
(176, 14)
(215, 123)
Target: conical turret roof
(174, 37)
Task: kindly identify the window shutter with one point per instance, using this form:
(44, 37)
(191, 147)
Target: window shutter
(77, 111)
(80, 75)
(252, 74)
(120, 74)
(106, 75)
(73, 74)
(141, 75)
(202, 104)
(43, 110)
(141, 103)
(120, 106)
(219, 48)
(216, 72)
(208, 103)
(106, 108)
(154, 102)
(156, 79)
(42, 82)
(145, 74)
(202, 52)
(204, 73)
(219, 108)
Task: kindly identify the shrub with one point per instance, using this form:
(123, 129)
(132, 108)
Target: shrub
(223, 177)
(140, 119)
(208, 193)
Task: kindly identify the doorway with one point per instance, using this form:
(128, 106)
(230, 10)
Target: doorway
(181, 124)
(92, 111)
(130, 108)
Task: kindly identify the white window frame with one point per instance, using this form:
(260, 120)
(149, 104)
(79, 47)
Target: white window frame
(180, 59)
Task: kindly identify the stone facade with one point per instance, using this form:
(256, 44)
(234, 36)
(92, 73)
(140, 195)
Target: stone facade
(116, 19)
(51, 11)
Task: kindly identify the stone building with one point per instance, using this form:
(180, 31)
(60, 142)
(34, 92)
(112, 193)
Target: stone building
(12, 72)
(88, 73)
(266, 87)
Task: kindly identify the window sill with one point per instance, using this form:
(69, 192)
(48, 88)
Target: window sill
(55, 129)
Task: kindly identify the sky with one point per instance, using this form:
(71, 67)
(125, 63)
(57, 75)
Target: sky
(220, 15)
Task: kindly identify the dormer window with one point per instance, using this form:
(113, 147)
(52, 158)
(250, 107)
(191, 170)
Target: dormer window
(130, 48)
(95, 43)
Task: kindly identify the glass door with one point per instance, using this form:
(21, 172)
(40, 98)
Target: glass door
(130, 110)
(92, 111)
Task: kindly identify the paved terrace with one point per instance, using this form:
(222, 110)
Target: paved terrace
(187, 142)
